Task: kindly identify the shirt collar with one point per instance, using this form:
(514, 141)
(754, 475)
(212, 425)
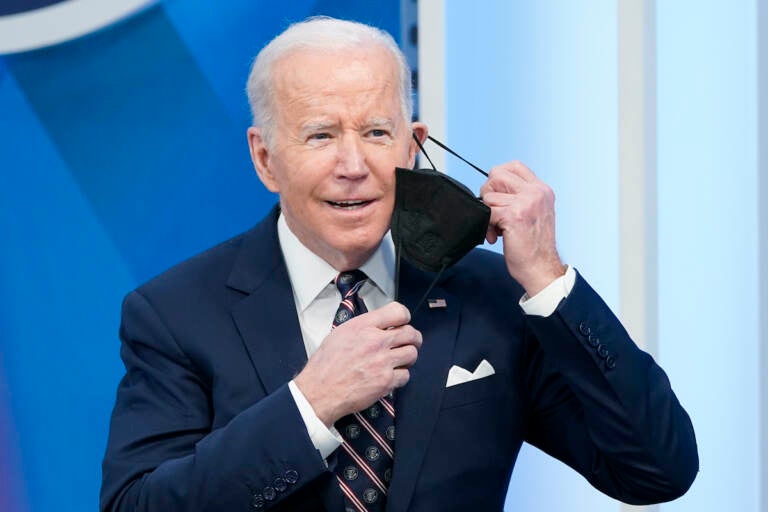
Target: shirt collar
(310, 274)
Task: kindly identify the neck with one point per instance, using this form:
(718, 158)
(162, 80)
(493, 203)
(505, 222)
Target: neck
(344, 262)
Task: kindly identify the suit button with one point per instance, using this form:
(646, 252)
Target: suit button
(269, 493)
(291, 476)
(602, 351)
(279, 484)
(610, 362)
(584, 329)
(258, 501)
(593, 340)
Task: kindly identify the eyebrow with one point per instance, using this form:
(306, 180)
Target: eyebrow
(379, 121)
(320, 126)
(317, 126)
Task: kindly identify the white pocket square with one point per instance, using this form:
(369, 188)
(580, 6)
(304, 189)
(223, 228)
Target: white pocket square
(458, 375)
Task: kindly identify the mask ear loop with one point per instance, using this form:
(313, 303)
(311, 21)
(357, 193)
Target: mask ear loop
(451, 152)
(421, 148)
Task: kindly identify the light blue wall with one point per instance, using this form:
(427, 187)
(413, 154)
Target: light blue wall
(708, 247)
(537, 81)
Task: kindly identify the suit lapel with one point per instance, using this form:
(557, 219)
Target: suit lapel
(418, 403)
(266, 317)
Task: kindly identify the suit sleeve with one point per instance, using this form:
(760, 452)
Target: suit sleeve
(604, 407)
(162, 454)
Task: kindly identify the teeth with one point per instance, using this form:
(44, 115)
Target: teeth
(347, 204)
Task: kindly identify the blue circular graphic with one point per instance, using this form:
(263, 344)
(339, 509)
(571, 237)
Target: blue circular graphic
(32, 24)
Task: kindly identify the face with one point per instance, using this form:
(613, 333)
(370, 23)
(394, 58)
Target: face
(339, 134)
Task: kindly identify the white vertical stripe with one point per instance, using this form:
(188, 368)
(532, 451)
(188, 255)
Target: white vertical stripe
(762, 223)
(637, 175)
(637, 169)
(432, 73)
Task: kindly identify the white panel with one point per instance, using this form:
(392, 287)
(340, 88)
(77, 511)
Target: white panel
(637, 168)
(762, 197)
(708, 286)
(432, 83)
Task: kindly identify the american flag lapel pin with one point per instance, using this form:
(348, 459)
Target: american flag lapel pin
(437, 303)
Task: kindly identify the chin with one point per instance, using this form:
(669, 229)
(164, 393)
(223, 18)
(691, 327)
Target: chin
(357, 251)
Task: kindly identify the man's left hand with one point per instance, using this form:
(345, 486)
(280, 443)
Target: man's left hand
(523, 214)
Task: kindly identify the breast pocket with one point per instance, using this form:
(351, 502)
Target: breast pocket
(471, 392)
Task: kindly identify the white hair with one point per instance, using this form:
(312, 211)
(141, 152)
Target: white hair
(317, 33)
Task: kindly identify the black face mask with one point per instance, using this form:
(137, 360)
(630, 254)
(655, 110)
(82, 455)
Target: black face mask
(436, 220)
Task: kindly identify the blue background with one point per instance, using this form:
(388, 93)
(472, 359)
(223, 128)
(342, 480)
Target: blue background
(121, 153)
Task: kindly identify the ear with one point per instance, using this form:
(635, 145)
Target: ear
(260, 157)
(420, 131)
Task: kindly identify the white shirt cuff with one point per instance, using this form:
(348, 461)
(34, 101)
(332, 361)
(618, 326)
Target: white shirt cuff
(325, 440)
(545, 302)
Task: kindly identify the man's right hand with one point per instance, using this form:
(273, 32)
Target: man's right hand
(361, 360)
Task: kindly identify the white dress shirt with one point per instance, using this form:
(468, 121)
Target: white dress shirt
(317, 300)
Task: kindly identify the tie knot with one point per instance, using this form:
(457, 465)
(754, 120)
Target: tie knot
(349, 282)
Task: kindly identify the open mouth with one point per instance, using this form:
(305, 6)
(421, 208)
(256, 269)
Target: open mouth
(349, 205)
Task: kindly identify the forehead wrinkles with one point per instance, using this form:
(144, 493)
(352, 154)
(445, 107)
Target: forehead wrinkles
(314, 84)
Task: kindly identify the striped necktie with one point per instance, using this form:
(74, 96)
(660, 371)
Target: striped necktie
(364, 465)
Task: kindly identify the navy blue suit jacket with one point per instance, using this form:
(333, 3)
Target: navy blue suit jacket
(204, 419)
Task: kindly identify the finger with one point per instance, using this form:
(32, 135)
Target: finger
(404, 335)
(496, 199)
(494, 229)
(490, 235)
(501, 180)
(500, 216)
(403, 357)
(400, 377)
(504, 209)
(521, 170)
(393, 314)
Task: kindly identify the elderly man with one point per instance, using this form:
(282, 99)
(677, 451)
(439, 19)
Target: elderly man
(279, 371)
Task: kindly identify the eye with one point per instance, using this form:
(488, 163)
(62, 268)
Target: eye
(378, 132)
(320, 136)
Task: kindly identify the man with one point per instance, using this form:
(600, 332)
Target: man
(241, 394)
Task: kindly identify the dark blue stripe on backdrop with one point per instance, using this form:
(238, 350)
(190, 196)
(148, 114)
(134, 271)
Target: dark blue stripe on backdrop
(19, 6)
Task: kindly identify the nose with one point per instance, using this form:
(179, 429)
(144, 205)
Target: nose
(351, 158)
